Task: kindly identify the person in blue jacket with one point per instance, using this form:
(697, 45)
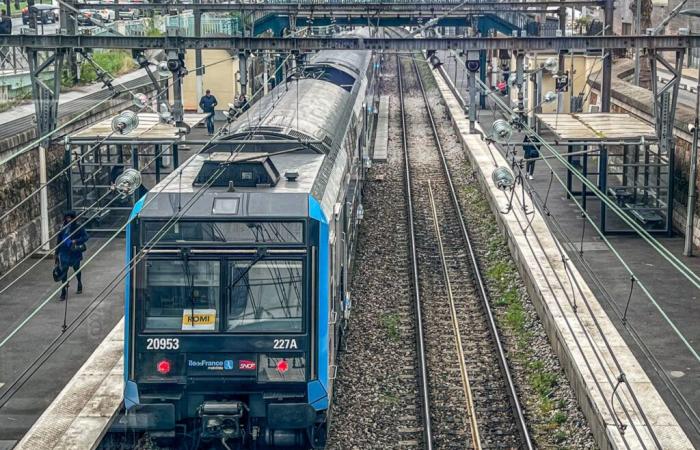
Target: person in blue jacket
(207, 104)
(70, 245)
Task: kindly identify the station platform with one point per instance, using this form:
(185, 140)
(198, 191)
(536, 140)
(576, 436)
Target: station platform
(647, 335)
(20, 412)
(80, 383)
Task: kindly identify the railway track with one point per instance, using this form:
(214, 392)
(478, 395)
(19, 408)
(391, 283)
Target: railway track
(468, 397)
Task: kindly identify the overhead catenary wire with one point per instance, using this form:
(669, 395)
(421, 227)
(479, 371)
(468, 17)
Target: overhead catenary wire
(644, 234)
(572, 304)
(80, 226)
(68, 330)
(69, 166)
(692, 277)
(172, 177)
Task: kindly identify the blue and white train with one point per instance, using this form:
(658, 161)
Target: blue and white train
(235, 313)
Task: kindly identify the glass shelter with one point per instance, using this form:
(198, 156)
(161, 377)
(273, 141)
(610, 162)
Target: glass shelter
(97, 156)
(618, 154)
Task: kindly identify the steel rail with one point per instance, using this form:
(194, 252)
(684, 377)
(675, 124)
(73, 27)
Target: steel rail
(420, 339)
(466, 385)
(502, 360)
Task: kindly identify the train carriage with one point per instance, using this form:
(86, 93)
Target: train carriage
(235, 312)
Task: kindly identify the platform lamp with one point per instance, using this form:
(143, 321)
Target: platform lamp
(688, 247)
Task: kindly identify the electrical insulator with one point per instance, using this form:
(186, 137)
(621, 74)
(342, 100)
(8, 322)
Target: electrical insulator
(501, 131)
(128, 182)
(125, 123)
(503, 178)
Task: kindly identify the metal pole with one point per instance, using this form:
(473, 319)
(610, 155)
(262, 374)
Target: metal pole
(43, 199)
(561, 62)
(471, 85)
(265, 72)
(242, 72)
(638, 30)
(199, 81)
(605, 92)
(690, 219)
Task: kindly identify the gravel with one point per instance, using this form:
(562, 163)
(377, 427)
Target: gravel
(376, 393)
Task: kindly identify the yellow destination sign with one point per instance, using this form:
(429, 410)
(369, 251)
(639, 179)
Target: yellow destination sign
(199, 319)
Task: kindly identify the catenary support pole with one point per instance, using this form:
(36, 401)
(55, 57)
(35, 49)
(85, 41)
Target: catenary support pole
(690, 219)
(638, 30)
(471, 86)
(243, 71)
(199, 82)
(605, 91)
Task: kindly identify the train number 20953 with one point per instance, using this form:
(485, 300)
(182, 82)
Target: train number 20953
(162, 344)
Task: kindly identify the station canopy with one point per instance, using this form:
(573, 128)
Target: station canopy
(598, 127)
(150, 130)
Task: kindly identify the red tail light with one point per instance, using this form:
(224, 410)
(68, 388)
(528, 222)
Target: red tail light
(163, 367)
(282, 366)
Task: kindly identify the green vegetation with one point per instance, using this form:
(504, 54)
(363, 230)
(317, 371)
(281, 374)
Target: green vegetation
(503, 282)
(114, 62)
(391, 323)
(389, 397)
(151, 29)
(17, 11)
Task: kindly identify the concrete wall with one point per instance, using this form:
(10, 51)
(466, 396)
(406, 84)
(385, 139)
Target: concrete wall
(221, 78)
(583, 66)
(20, 232)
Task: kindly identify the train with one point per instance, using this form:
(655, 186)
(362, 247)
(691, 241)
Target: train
(236, 307)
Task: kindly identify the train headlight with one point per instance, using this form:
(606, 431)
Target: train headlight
(281, 368)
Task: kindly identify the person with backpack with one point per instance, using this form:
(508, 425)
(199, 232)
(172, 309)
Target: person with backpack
(70, 246)
(531, 152)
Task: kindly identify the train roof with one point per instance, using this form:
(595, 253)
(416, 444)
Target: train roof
(305, 164)
(285, 198)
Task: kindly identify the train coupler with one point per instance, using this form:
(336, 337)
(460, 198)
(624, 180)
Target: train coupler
(222, 419)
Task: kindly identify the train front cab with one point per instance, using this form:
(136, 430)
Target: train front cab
(229, 339)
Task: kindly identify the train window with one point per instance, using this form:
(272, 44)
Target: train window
(265, 297)
(225, 206)
(233, 232)
(181, 295)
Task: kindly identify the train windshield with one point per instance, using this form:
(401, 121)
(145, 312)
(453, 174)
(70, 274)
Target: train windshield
(181, 294)
(265, 296)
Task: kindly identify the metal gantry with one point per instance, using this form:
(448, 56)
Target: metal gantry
(45, 97)
(527, 43)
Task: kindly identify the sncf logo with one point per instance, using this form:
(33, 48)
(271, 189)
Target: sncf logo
(246, 364)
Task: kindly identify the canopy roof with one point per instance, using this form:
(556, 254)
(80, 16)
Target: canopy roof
(600, 127)
(150, 128)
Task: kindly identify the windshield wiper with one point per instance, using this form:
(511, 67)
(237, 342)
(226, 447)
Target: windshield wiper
(262, 251)
(185, 253)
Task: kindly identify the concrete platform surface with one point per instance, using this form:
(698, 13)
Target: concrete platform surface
(82, 412)
(19, 413)
(592, 351)
(381, 142)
